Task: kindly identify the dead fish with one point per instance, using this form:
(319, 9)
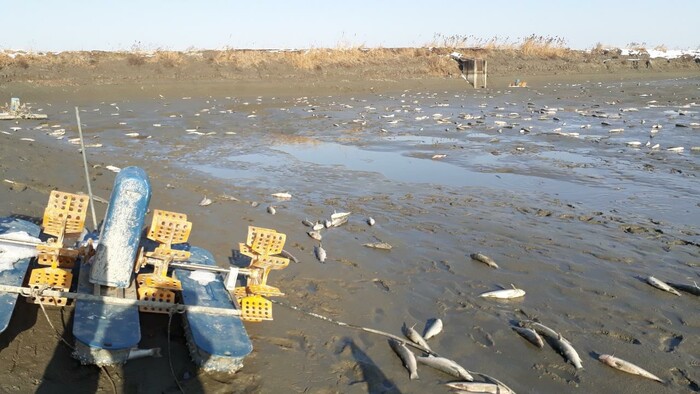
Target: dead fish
(288, 255)
(271, 210)
(340, 218)
(378, 245)
(254, 204)
(659, 284)
(318, 226)
(407, 357)
(205, 201)
(371, 221)
(414, 336)
(320, 253)
(282, 196)
(677, 149)
(447, 366)
(315, 235)
(531, 335)
(562, 344)
(479, 387)
(432, 328)
(135, 353)
(482, 258)
(307, 223)
(626, 366)
(568, 351)
(505, 293)
(113, 168)
(327, 223)
(694, 289)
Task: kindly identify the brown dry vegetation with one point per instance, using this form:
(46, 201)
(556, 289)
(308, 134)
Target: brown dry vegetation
(527, 56)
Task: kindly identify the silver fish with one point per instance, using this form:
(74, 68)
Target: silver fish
(569, 352)
(694, 289)
(282, 196)
(307, 223)
(318, 226)
(371, 221)
(530, 334)
(315, 235)
(414, 336)
(136, 353)
(447, 366)
(627, 366)
(407, 357)
(659, 284)
(320, 253)
(479, 387)
(504, 294)
(482, 258)
(378, 245)
(339, 218)
(205, 201)
(562, 344)
(432, 328)
(271, 210)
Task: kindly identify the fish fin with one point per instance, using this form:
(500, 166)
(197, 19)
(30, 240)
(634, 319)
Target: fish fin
(513, 286)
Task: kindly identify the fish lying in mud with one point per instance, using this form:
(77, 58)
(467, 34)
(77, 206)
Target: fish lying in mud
(447, 366)
(626, 366)
(205, 201)
(282, 196)
(378, 245)
(505, 293)
(407, 357)
(307, 223)
(414, 336)
(561, 344)
(315, 235)
(432, 328)
(320, 253)
(339, 218)
(531, 335)
(659, 284)
(288, 255)
(271, 210)
(318, 226)
(371, 221)
(482, 258)
(694, 289)
(479, 387)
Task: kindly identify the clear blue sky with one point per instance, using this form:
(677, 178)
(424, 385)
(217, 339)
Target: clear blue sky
(178, 25)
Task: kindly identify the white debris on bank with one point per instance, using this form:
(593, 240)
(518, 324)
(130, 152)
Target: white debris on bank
(9, 254)
(661, 54)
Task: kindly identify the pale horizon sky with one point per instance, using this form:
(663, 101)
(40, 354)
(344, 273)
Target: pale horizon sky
(34, 25)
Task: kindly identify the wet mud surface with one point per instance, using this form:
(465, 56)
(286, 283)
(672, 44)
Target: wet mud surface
(549, 181)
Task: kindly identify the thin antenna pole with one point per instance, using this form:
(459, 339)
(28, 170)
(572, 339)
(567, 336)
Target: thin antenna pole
(87, 174)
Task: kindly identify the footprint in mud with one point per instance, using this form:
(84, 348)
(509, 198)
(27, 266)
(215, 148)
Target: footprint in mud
(670, 344)
(620, 336)
(482, 337)
(381, 284)
(682, 375)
